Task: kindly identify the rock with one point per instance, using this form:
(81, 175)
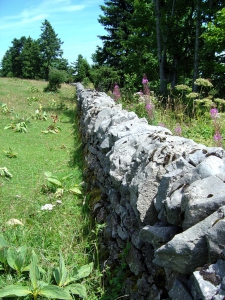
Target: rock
(188, 250)
(203, 289)
(200, 200)
(215, 237)
(212, 165)
(134, 260)
(158, 234)
(179, 291)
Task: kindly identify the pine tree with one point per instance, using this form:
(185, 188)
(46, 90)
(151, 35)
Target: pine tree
(117, 14)
(31, 60)
(50, 47)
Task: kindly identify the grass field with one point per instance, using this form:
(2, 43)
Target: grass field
(50, 144)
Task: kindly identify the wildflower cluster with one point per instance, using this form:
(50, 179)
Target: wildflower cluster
(215, 117)
(116, 92)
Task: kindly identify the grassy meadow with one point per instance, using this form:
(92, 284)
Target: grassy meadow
(41, 163)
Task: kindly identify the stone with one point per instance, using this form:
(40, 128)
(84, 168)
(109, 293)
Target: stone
(215, 237)
(179, 291)
(134, 260)
(203, 288)
(158, 234)
(188, 250)
(212, 165)
(173, 207)
(201, 199)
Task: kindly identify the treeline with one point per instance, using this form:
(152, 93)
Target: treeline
(171, 41)
(34, 59)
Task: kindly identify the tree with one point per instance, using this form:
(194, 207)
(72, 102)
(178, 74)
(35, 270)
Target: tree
(30, 59)
(6, 64)
(117, 13)
(50, 47)
(81, 69)
(16, 51)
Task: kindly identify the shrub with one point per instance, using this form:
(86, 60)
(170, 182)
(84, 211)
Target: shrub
(56, 77)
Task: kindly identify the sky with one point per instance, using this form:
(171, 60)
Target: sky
(75, 22)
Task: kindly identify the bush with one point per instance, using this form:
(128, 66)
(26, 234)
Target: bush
(56, 77)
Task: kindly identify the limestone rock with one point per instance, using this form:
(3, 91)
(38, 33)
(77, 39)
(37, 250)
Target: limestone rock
(201, 199)
(188, 250)
(158, 234)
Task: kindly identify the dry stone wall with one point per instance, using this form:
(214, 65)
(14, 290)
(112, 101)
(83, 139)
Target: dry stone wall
(162, 199)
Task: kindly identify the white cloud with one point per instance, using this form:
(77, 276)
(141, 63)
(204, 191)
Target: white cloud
(39, 12)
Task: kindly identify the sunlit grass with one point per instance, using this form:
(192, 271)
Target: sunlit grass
(21, 197)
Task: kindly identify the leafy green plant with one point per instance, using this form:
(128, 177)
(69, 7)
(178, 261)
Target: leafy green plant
(5, 109)
(17, 259)
(18, 125)
(53, 128)
(33, 89)
(66, 279)
(37, 287)
(9, 153)
(32, 99)
(58, 185)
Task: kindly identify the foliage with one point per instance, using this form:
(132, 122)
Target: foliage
(104, 77)
(29, 58)
(65, 278)
(81, 69)
(56, 78)
(50, 46)
(16, 126)
(9, 153)
(58, 186)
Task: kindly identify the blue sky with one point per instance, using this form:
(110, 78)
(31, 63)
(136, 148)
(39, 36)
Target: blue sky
(75, 22)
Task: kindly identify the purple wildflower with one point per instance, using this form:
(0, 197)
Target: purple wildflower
(178, 130)
(214, 113)
(149, 107)
(116, 92)
(217, 137)
(146, 89)
(150, 110)
(162, 125)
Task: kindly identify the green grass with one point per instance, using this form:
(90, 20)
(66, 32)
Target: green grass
(67, 227)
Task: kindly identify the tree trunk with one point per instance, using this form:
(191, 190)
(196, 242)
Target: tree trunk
(197, 34)
(161, 52)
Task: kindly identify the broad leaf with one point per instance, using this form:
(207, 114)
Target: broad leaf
(75, 190)
(14, 291)
(21, 258)
(77, 289)
(34, 271)
(3, 242)
(61, 273)
(48, 174)
(11, 258)
(54, 181)
(3, 255)
(84, 271)
(54, 291)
